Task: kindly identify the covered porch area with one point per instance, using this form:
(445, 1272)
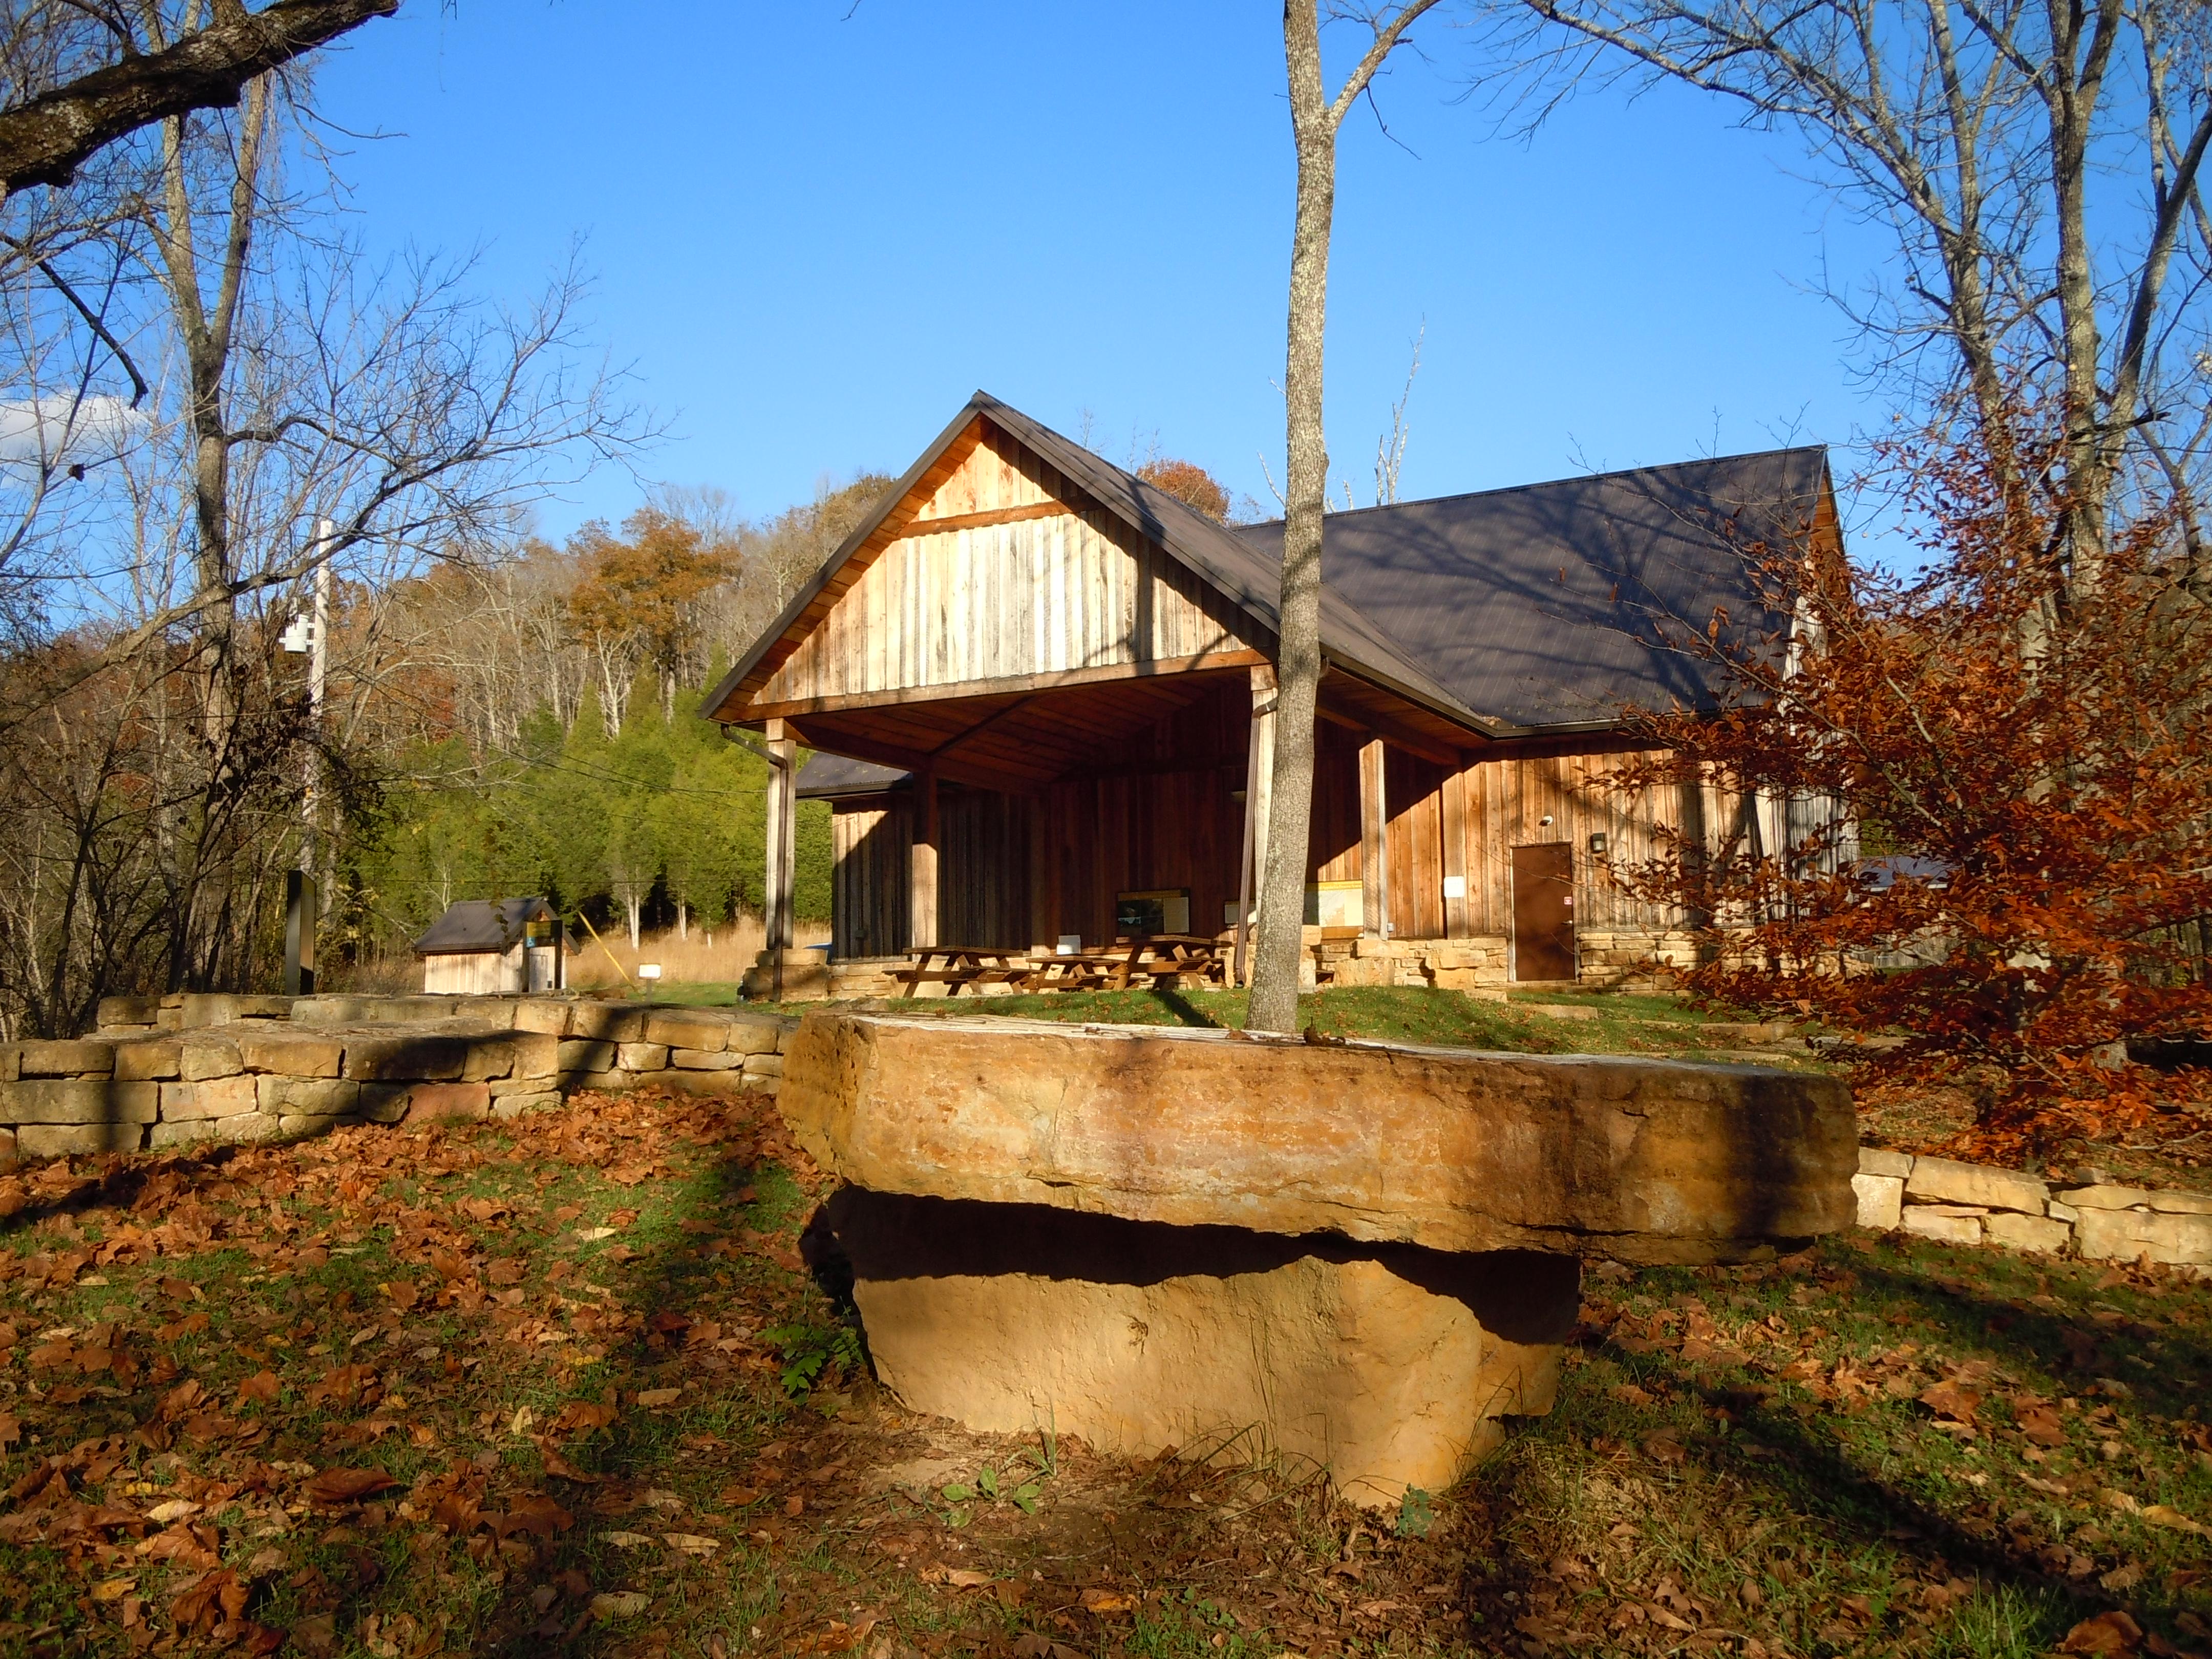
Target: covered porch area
(1076, 819)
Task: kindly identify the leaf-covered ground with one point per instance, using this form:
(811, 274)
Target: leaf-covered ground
(564, 1386)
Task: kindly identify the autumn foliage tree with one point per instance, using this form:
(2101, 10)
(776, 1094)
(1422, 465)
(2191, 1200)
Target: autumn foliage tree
(1189, 483)
(639, 600)
(1999, 786)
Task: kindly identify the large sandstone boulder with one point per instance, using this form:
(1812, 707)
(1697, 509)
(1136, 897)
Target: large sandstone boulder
(1640, 1160)
(1387, 1365)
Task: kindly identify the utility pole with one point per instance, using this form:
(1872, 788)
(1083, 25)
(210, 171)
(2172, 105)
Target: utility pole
(302, 910)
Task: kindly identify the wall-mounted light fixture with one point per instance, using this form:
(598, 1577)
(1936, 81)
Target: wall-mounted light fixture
(1544, 822)
(1597, 845)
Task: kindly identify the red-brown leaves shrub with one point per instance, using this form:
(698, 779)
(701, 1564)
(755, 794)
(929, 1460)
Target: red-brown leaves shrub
(2031, 730)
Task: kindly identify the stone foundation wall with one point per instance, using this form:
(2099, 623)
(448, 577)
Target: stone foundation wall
(1970, 1204)
(1638, 961)
(163, 1071)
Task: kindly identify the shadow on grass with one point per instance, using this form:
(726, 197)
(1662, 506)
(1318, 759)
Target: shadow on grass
(1793, 1458)
(742, 1584)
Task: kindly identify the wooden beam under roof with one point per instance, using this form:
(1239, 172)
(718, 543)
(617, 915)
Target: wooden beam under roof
(860, 746)
(1355, 705)
(1013, 685)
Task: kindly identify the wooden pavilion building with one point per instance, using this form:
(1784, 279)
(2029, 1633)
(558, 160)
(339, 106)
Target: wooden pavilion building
(1040, 692)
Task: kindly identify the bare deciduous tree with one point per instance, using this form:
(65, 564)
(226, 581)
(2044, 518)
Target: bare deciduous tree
(2039, 161)
(1315, 118)
(155, 736)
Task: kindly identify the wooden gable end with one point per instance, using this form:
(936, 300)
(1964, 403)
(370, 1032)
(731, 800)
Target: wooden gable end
(995, 574)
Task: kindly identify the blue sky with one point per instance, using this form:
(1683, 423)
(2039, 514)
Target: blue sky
(817, 227)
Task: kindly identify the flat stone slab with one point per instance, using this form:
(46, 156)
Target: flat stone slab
(1639, 1160)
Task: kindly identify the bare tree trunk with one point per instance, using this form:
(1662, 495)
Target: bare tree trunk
(1274, 1004)
(2073, 81)
(1315, 119)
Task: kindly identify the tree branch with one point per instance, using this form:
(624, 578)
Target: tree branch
(43, 141)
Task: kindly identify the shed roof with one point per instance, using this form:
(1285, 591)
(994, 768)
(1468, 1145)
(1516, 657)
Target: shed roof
(827, 777)
(1561, 604)
(476, 924)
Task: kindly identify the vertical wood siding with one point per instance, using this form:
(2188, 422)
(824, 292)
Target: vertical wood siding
(1075, 590)
(870, 847)
(1160, 812)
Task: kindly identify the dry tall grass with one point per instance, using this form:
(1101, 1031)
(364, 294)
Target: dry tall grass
(685, 961)
(690, 961)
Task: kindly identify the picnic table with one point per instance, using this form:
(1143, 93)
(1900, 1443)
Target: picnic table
(1145, 956)
(955, 965)
(1148, 956)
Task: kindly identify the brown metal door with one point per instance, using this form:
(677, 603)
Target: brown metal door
(1544, 911)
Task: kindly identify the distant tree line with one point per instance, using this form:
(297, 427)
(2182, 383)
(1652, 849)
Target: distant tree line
(531, 722)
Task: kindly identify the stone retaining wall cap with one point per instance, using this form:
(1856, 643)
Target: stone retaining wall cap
(1948, 1180)
(1880, 1161)
(2106, 1197)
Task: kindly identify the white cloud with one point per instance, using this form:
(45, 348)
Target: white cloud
(62, 430)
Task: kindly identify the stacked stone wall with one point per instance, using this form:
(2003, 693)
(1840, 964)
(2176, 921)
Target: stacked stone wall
(1959, 1203)
(165, 1071)
(1631, 961)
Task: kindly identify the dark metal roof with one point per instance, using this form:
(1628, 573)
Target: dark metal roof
(1250, 573)
(1544, 606)
(826, 777)
(1562, 603)
(475, 925)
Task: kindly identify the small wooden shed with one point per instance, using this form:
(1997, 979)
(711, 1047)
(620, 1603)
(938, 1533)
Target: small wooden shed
(492, 947)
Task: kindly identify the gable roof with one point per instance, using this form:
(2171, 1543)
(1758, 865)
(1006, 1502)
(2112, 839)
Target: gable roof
(474, 925)
(1559, 604)
(1540, 607)
(1241, 571)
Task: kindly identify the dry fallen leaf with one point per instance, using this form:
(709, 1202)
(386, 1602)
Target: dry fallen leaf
(2165, 1514)
(2040, 1424)
(214, 1598)
(1948, 1400)
(2108, 1632)
(1100, 1600)
(691, 1543)
(335, 1486)
(619, 1604)
(961, 1578)
(627, 1541)
(651, 1397)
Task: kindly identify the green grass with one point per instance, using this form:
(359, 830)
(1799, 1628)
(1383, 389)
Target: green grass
(704, 993)
(1621, 1023)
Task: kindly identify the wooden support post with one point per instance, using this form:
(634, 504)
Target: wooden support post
(923, 927)
(1457, 922)
(1259, 772)
(300, 913)
(1374, 843)
(782, 850)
